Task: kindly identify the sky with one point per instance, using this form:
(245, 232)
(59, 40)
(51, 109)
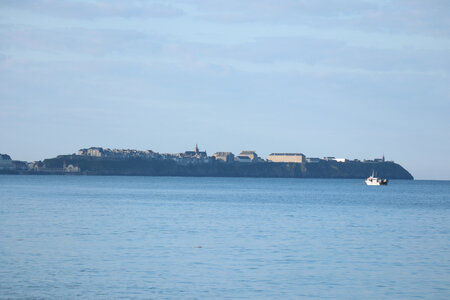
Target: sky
(344, 78)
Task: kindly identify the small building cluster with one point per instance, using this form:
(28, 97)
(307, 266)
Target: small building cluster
(188, 157)
(227, 157)
(197, 156)
(248, 157)
(7, 164)
(116, 153)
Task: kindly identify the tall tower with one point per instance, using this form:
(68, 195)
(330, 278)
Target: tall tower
(382, 158)
(196, 149)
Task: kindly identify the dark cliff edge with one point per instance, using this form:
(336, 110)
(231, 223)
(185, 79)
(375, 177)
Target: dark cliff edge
(149, 167)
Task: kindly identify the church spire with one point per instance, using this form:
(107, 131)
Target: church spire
(196, 148)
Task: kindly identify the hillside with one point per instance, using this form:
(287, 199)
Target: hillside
(149, 167)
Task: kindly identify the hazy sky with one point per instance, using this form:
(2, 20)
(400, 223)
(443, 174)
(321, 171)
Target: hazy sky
(341, 78)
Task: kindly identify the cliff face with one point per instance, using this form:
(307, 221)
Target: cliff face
(101, 166)
(388, 170)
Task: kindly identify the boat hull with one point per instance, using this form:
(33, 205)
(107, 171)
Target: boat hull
(376, 182)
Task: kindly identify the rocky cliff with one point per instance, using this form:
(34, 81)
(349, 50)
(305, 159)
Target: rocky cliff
(323, 169)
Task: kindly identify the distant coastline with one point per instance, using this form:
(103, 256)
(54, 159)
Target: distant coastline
(100, 161)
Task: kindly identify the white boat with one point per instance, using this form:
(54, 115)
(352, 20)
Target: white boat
(372, 180)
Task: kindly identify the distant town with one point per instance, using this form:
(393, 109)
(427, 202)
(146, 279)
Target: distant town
(185, 158)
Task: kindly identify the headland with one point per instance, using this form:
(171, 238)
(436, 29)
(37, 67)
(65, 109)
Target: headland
(103, 161)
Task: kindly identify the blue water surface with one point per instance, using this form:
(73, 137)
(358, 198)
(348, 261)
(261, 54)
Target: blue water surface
(188, 238)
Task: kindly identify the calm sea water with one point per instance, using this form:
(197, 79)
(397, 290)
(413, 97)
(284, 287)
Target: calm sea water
(187, 238)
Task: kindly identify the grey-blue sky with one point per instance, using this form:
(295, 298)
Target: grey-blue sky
(347, 78)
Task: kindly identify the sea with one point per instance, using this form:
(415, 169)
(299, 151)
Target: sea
(125, 237)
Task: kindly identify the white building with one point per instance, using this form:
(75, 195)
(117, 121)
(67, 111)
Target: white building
(341, 160)
(71, 169)
(312, 160)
